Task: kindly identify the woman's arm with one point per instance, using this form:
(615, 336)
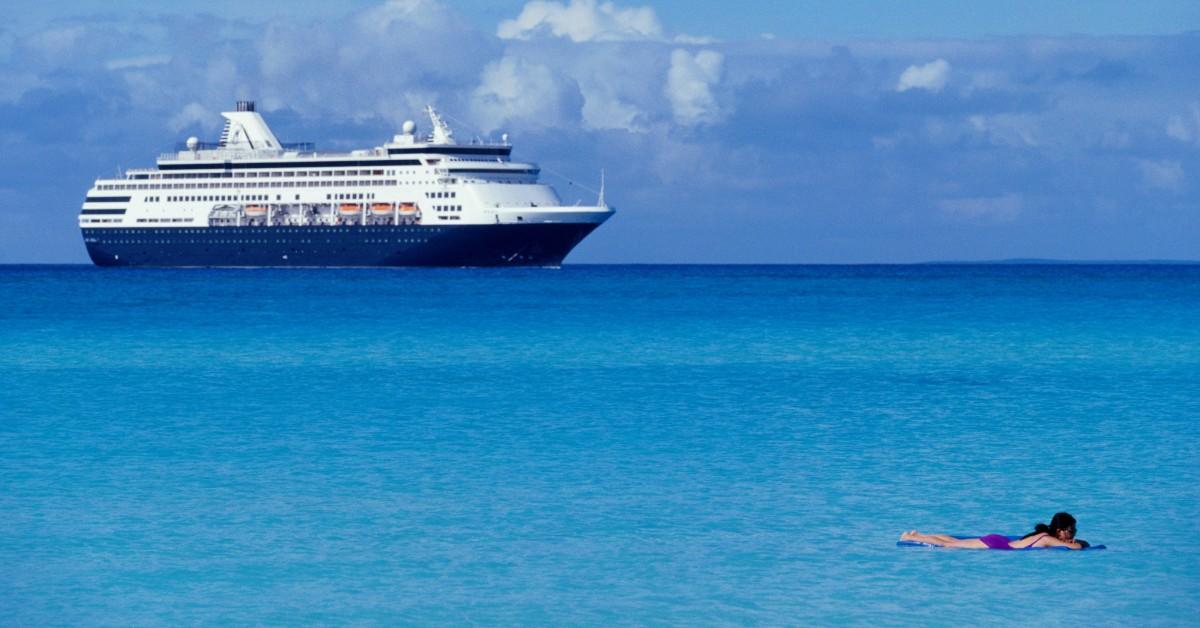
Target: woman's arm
(1049, 541)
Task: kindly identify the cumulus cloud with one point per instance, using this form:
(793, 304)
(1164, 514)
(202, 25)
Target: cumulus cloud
(130, 63)
(1163, 175)
(995, 209)
(1005, 129)
(1185, 128)
(931, 77)
(580, 21)
(689, 86)
(56, 42)
(193, 113)
(604, 109)
(514, 89)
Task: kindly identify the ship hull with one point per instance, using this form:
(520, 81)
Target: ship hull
(411, 245)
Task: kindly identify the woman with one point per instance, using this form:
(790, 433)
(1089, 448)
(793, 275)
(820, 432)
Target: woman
(1060, 533)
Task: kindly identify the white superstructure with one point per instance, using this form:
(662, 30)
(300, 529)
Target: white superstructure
(250, 179)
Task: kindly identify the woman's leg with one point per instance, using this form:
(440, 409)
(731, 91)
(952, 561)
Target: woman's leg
(944, 540)
(966, 544)
(932, 539)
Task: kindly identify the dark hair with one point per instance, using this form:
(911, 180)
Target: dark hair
(1061, 521)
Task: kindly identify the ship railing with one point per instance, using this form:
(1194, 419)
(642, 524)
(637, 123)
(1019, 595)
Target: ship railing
(303, 147)
(208, 155)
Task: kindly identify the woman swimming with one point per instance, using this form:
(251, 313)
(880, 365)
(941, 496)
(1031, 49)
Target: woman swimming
(1060, 533)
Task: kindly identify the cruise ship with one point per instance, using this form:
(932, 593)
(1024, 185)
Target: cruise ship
(250, 200)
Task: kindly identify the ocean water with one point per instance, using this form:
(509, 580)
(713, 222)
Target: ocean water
(596, 445)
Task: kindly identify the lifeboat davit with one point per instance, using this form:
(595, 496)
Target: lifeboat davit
(255, 211)
(381, 209)
(408, 209)
(349, 209)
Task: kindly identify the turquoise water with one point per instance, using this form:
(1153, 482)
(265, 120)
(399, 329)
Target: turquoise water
(596, 444)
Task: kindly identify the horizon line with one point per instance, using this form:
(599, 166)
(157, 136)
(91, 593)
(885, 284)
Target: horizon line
(1018, 261)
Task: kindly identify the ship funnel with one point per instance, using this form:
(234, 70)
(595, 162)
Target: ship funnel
(245, 105)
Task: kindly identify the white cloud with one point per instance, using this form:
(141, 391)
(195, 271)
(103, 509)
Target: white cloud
(1005, 129)
(192, 113)
(56, 42)
(695, 40)
(16, 83)
(582, 20)
(604, 109)
(423, 14)
(145, 61)
(516, 90)
(1164, 175)
(1183, 129)
(689, 86)
(995, 209)
(932, 76)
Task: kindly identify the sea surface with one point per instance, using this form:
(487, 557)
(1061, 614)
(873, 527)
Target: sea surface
(597, 444)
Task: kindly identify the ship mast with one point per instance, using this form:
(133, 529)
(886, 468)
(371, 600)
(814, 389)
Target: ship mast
(600, 201)
(441, 131)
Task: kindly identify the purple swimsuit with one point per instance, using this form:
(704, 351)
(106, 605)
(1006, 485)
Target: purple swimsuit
(1000, 542)
(996, 541)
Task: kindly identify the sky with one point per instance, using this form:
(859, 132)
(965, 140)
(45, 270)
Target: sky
(750, 132)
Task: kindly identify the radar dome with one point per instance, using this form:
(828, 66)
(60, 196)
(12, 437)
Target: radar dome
(408, 127)
(192, 142)
(504, 138)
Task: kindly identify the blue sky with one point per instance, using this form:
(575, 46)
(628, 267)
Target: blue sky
(731, 132)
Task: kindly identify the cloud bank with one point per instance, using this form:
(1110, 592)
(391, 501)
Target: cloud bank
(580, 21)
(766, 150)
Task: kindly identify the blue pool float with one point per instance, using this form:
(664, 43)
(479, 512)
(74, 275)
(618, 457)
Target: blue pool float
(1011, 538)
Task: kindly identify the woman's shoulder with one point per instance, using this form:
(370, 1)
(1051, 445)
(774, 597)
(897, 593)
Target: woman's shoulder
(1050, 541)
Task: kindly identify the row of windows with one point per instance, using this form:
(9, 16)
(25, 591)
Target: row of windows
(252, 241)
(440, 194)
(299, 184)
(447, 208)
(166, 220)
(272, 173)
(218, 197)
(274, 230)
(239, 185)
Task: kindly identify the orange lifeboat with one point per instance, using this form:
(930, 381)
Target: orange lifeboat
(349, 209)
(381, 209)
(408, 209)
(255, 211)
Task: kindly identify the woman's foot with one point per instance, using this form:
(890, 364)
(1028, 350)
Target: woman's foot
(909, 536)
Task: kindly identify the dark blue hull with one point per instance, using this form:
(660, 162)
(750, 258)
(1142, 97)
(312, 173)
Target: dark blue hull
(412, 245)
